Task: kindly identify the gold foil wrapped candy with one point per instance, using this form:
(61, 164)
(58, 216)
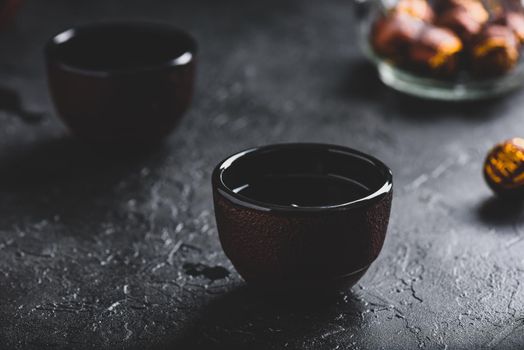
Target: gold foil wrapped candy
(504, 168)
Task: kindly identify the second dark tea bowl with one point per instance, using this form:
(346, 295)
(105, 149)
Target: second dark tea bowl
(302, 216)
(121, 82)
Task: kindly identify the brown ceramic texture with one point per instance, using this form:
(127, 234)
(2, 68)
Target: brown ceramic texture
(288, 248)
(123, 105)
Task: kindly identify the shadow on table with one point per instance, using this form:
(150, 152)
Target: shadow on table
(66, 160)
(11, 102)
(66, 177)
(362, 82)
(498, 211)
(245, 319)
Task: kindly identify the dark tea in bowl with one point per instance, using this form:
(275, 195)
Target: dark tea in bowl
(309, 216)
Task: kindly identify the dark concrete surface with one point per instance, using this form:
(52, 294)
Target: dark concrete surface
(107, 252)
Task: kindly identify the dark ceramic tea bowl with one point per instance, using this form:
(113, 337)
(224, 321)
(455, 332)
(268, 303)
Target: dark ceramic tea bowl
(122, 82)
(310, 216)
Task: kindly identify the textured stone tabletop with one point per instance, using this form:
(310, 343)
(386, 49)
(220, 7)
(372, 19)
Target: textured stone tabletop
(104, 252)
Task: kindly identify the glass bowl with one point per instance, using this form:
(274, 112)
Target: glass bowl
(461, 88)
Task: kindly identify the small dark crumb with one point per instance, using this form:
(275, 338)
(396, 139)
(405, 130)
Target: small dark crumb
(210, 272)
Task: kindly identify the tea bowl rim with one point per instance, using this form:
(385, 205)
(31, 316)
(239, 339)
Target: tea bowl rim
(243, 201)
(185, 58)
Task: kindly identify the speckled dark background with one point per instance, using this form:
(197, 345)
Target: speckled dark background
(96, 251)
